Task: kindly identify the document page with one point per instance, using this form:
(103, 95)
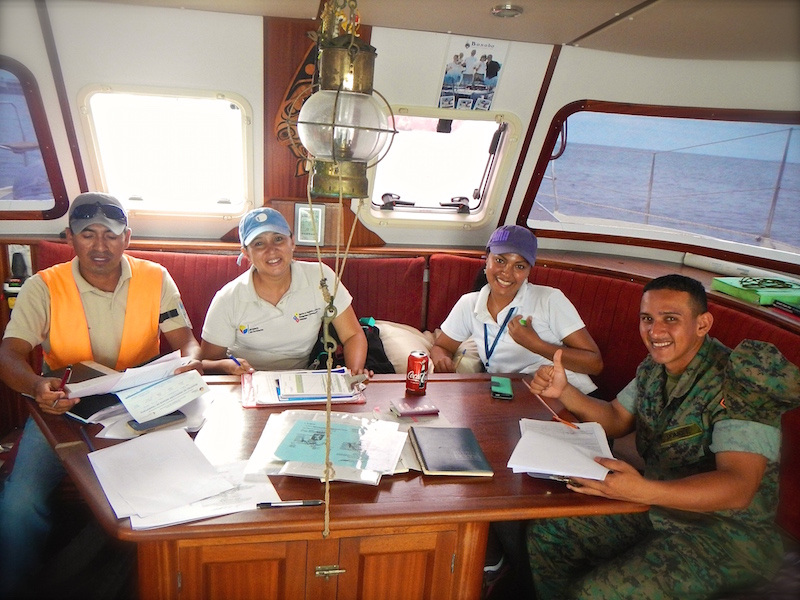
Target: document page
(162, 397)
(155, 472)
(551, 448)
(158, 369)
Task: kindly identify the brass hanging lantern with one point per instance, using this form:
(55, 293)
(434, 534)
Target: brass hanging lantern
(342, 125)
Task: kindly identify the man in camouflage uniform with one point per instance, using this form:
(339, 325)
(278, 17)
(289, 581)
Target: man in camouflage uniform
(707, 423)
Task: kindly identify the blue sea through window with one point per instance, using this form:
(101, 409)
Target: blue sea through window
(23, 176)
(727, 180)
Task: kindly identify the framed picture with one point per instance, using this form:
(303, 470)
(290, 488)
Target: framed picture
(304, 232)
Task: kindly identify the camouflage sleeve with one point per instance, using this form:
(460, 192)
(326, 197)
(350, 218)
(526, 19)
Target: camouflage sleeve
(760, 384)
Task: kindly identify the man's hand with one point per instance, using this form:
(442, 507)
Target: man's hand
(50, 398)
(550, 381)
(623, 483)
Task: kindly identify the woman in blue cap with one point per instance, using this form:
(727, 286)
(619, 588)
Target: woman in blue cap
(269, 318)
(517, 325)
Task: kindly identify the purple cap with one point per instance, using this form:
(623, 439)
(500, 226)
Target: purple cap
(260, 220)
(513, 239)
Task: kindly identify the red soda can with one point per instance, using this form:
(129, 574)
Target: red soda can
(417, 373)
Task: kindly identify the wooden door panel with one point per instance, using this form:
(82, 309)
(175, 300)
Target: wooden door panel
(405, 566)
(245, 571)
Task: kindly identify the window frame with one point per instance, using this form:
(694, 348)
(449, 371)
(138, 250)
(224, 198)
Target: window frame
(44, 138)
(762, 257)
(491, 200)
(87, 123)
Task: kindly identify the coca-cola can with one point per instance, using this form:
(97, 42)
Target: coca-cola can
(417, 373)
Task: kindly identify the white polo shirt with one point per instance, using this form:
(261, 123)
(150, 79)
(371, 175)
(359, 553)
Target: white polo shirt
(269, 337)
(554, 318)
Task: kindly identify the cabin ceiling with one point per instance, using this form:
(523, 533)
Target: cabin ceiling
(698, 29)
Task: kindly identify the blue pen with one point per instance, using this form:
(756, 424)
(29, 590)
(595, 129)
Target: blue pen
(233, 358)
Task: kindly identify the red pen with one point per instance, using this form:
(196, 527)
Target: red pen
(64, 381)
(65, 377)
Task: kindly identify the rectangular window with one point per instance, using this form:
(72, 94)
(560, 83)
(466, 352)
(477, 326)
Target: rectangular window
(441, 166)
(172, 153)
(703, 182)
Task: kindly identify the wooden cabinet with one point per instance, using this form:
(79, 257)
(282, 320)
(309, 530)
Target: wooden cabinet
(400, 565)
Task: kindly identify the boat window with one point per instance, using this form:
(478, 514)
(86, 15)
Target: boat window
(728, 183)
(171, 153)
(31, 186)
(440, 166)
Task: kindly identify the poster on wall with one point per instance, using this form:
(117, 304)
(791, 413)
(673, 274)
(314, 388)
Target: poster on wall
(471, 72)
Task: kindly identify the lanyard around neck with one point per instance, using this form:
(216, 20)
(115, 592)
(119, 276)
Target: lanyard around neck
(490, 351)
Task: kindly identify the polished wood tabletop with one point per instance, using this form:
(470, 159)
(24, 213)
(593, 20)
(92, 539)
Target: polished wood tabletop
(231, 433)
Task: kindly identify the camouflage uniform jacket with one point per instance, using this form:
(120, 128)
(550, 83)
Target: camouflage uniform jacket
(753, 383)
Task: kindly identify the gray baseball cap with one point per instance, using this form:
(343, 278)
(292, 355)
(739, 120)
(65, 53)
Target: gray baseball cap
(94, 207)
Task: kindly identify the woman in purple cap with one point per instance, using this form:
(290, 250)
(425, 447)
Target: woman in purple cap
(517, 325)
(269, 318)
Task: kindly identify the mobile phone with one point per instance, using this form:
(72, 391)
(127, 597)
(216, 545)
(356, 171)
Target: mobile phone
(501, 388)
(158, 423)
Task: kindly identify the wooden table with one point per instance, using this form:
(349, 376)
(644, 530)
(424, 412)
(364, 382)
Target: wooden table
(409, 537)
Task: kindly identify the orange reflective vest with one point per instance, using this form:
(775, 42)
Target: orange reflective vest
(69, 331)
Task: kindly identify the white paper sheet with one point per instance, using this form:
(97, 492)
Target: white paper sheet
(243, 496)
(552, 448)
(156, 472)
(116, 427)
(155, 399)
(158, 369)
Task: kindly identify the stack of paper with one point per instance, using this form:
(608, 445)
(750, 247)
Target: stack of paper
(293, 443)
(270, 388)
(162, 479)
(141, 393)
(552, 450)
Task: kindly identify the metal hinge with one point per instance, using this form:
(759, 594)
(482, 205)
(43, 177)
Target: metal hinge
(453, 563)
(180, 581)
(328, 571)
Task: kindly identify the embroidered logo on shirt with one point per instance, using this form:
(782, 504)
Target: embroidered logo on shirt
(243, 329)
(303, 316)
(678, 434)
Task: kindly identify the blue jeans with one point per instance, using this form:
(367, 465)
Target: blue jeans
(25, 509)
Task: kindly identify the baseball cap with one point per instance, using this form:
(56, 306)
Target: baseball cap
(260, 220)
(513, 239)
(94, 207)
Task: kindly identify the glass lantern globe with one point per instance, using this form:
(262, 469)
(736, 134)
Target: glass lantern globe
(343, 126)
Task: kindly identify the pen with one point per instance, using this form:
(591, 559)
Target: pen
(287, 503)
(64, 381)
(234, 359)
(458, 358)
(65, 377)
(555, 416)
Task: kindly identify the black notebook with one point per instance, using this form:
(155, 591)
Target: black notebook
(92, 409)
(449, 451)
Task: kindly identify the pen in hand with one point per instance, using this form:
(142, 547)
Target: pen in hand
(64, 381)
(234, 359)
(287, 503)
(555, 416)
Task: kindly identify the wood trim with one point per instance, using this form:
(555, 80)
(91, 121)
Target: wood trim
(63, 97)
(526, 144)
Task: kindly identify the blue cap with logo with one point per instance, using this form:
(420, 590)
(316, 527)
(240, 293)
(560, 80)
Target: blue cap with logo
(513, 239)
(259, 221)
